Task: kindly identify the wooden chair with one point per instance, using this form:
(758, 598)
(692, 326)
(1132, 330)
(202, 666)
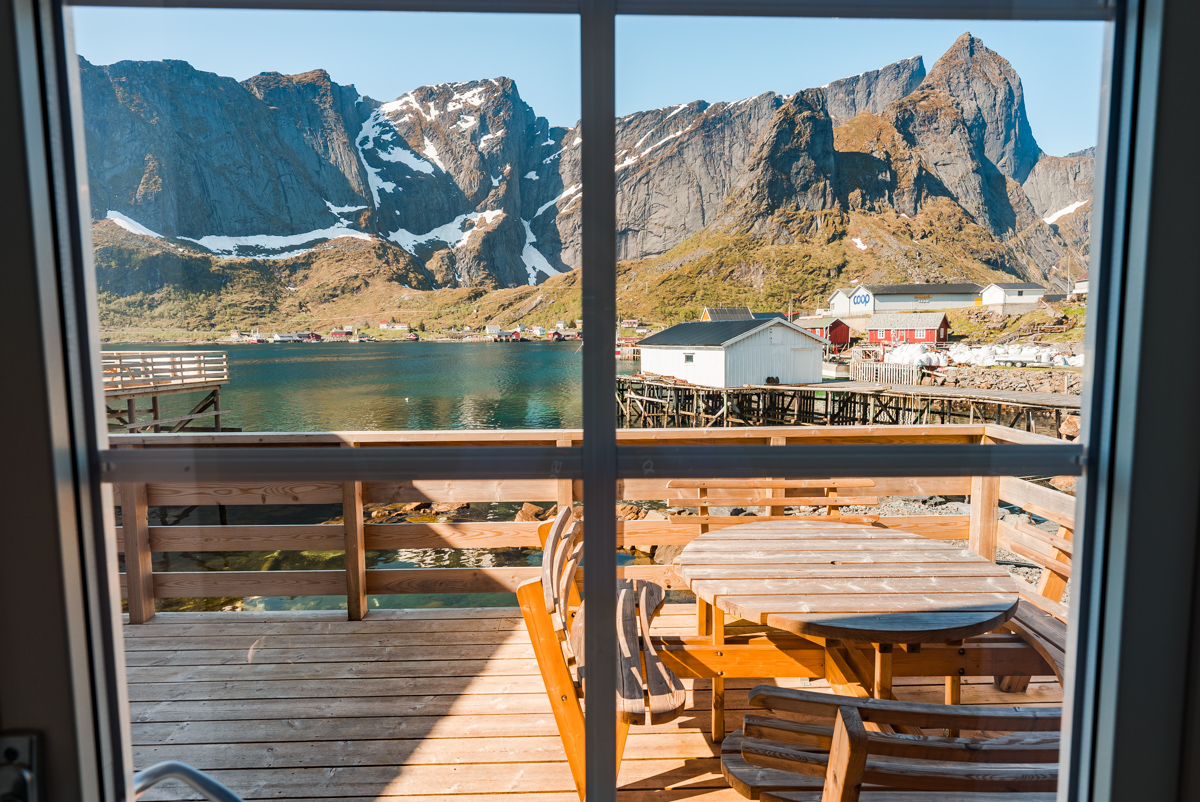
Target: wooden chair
(1041, 619)
(843, 749)
(647, 691)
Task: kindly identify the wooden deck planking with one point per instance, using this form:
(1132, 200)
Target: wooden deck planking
(309, 706)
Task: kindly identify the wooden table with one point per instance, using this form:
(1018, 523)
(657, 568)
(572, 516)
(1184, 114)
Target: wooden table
(848, 587)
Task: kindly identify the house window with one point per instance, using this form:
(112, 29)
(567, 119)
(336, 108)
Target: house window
(1020, 292)
(689, 358)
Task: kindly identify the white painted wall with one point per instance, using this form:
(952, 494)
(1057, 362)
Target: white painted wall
(998, 295)
(839, 304)
(707, 367)
(780, 351)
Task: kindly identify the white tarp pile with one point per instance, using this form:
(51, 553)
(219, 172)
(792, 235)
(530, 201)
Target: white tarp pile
(915, 354)
(986, 356)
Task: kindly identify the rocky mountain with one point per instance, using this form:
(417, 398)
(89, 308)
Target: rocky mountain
(917, 176)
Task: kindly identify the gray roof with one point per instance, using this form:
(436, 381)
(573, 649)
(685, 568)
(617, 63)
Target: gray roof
(1019, 285)
(923, 289)
(717, 313)
(708, 333)
(912, 320)
(769, 315)
(814, 322)
(847, 291)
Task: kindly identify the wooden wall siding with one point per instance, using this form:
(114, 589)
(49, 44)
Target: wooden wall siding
(331, 537)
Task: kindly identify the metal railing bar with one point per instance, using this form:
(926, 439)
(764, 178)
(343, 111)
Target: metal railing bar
(198, 781)
(306, 464)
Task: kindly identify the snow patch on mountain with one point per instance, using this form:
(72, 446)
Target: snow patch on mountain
(532, 175)
(372, 128)
(430, 152)
(451, 233)
(571, 190)
(534, 261)
(406, 157)
(1063, 212)
(131, 225)
(238, 246)
(339, 210)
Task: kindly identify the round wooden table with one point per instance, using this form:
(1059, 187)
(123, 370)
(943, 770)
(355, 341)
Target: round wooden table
(848, 582)
(854, 589)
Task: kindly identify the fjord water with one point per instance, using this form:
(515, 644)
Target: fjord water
(296, 387)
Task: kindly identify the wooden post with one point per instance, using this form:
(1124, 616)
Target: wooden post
(772, 492)
(883, 671)
(565, 488)
(718, 683)
(154, 412)
(953, 697)
(217, 407)
(139, 566)
(1052, 585)
(985, 499)
(356, 551)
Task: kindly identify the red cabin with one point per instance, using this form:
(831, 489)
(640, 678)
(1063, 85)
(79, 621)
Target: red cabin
(918, 327)
(833, 329)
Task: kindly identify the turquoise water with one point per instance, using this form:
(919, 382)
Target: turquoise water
(293, 387)
(376, 386)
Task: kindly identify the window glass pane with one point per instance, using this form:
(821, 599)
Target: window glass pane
(858, 233)
(338, 231)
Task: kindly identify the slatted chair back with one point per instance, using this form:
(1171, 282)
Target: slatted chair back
(774, 495)
(1041, 618)
(647, 691)
(833, 745)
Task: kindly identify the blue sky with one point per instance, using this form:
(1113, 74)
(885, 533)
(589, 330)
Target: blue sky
(660, 61)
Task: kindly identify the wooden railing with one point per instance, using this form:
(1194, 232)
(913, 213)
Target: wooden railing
(137, 371)
(884, 373)
(139, 539)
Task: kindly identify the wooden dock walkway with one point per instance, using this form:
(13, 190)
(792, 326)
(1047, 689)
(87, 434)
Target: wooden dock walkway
(442, 705)
(1014, 398)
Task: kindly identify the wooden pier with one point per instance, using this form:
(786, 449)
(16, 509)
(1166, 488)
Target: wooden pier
(139, 376)
(652, 402)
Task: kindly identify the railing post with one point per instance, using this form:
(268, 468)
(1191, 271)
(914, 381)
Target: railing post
(356, 552)
(985, 500)
(139, 565)
(566, 488)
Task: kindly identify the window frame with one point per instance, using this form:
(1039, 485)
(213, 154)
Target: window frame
(1128, 443)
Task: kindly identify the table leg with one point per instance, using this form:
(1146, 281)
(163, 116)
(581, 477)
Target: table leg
(717, 624)
(953, 697)
(703, 617)
(883, 670)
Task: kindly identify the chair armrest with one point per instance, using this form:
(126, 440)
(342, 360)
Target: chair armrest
(824, 707)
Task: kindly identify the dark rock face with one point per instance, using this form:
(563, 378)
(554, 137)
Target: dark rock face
(872, 91)
(480, 191)
(992, 102)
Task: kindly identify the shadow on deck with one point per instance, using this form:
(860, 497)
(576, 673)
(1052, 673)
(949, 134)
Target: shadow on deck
(421, 705)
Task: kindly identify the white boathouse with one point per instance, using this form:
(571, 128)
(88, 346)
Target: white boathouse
(733, 353)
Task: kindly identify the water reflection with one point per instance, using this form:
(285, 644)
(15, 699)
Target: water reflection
(396, 385)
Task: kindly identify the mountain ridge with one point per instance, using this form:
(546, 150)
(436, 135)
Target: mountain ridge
(478, 191)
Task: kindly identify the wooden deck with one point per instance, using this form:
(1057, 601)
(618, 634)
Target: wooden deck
(421, 705)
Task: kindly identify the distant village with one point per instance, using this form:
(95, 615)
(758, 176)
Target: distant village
(898, 324)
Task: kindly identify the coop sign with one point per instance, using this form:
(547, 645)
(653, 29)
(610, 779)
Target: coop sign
(861, 300)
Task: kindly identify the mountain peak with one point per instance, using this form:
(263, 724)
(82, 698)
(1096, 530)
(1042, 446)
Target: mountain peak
(989, 93)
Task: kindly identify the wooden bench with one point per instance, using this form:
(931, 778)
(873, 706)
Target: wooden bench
(838, 749)
(772, 494)
(647, 691)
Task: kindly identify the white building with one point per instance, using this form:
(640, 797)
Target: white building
(1019, 292)
(492, 328)
(539, 331)
(734, 353)
(1081, 287)
(839, 302)
(868, 299)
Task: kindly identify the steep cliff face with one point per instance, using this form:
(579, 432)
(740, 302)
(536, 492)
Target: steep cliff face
(476, 190)
(872, 91)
